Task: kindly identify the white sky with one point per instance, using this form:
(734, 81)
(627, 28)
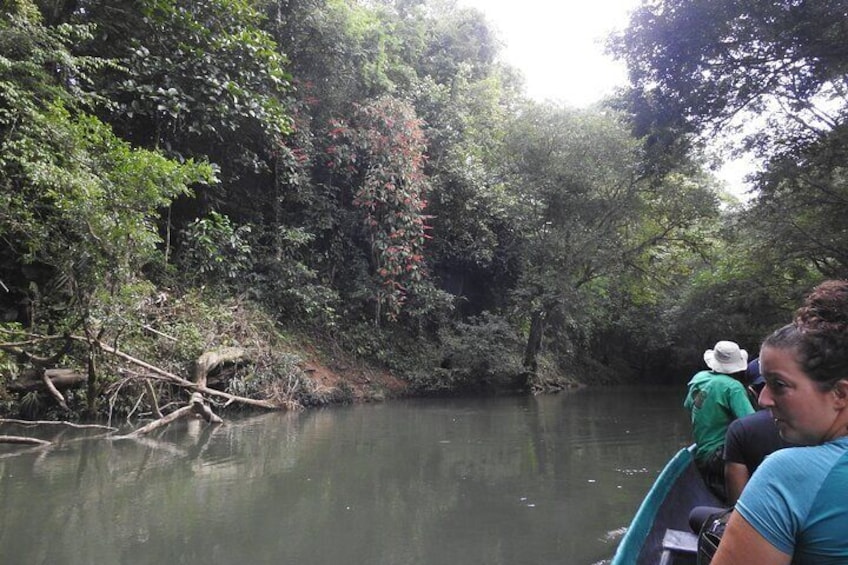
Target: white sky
(558, 44)
(559, 47)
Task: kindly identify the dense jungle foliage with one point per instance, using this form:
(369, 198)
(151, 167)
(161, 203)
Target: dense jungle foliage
(366, 178)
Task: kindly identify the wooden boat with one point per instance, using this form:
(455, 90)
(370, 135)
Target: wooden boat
(659, 532)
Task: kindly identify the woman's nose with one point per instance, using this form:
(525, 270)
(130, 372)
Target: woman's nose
(764, 399)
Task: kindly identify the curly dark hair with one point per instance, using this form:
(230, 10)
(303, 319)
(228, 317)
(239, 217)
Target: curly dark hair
(819, 334)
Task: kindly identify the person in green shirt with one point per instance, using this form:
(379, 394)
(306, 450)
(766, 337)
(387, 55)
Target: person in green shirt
(715, 398)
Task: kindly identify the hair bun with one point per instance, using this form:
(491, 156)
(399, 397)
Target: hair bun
(825, 309)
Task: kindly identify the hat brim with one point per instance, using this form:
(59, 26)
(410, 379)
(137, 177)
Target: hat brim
(726, 368)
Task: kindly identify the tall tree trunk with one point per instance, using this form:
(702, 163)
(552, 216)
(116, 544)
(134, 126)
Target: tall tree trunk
(534, 342)
(91, 391)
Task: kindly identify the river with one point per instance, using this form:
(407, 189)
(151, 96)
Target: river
(508, 480)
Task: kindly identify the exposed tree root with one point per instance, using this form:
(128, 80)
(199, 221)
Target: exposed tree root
(210, 360)
(203, 410)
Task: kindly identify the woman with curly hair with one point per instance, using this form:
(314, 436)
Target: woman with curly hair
(795, 508)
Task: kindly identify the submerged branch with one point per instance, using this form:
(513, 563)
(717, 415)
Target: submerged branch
(197, 406)
(56, 423)
(156, 424)
(23, 440)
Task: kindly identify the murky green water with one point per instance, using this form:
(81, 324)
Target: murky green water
(518, 480)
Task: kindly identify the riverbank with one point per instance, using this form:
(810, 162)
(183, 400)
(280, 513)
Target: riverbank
(234, 353)
(341, 377)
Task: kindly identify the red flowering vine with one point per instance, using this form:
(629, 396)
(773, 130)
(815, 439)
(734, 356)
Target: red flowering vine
(385, 141)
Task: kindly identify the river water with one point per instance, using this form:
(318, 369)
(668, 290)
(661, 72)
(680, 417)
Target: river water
(508, 480)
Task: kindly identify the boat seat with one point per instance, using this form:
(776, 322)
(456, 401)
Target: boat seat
(680, 541)
(679, 548)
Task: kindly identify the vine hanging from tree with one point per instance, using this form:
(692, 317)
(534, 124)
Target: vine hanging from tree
(383, 148)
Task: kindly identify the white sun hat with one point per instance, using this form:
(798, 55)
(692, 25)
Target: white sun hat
(726, 357)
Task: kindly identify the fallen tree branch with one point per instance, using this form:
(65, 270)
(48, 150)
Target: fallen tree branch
(156, 424)
(152, 368)
(196, 406)
(16, 345)
(31, 379)
(51, 388)
(233, 398)
(16, 348)
(23, 440)
(135, 406)
(56, 423)
(184, 382)
(211, 359)
(157, 332)
(36, 338)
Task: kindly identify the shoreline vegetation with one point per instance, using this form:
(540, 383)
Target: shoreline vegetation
(252, 365)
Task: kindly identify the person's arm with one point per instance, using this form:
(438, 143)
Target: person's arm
(741, 544)
(735, 478)
(736, 474)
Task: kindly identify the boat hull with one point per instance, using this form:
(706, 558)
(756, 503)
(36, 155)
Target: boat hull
(659, 532)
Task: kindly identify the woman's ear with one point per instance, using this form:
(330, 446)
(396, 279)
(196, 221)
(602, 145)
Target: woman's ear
(840, 392)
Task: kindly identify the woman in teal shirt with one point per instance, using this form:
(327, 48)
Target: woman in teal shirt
(795, 508)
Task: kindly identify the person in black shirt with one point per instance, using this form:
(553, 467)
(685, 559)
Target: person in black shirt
(748, 441)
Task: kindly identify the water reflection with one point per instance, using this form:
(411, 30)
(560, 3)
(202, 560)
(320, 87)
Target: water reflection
(514, 480)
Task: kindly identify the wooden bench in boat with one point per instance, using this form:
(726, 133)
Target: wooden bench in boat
(678, 546)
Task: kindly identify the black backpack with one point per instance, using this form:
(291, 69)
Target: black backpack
(710, 535)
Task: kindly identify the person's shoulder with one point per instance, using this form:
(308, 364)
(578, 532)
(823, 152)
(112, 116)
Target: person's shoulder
(802, 463)
(784, 468)
(789, 454)
(701, 376)
(739, 424)
(835, 450)
(727, 381)
(758, 419)
(760, 433)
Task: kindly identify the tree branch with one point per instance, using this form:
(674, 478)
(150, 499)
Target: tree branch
(57, 423)
(23, 440)
(54, 392)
